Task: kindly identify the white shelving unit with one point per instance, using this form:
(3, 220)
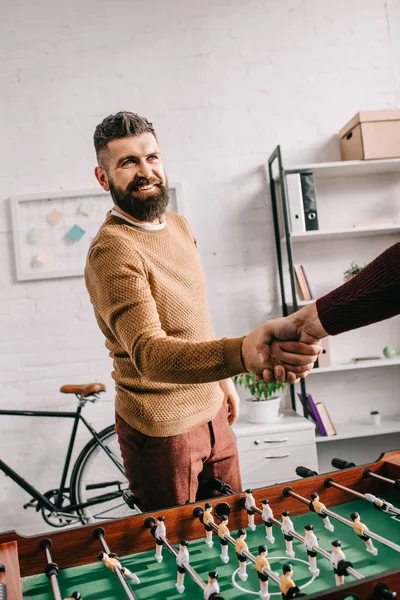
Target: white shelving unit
(365, 364)
(348, 168)
(348, 194)
(337, 234)
(354, 429)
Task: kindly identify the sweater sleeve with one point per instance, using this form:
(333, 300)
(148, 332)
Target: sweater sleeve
(122, 297)
(371, 296)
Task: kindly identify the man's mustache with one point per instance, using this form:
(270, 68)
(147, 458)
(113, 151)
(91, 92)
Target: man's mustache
(141, 181)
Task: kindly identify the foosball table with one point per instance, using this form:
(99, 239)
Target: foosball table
(333, 536)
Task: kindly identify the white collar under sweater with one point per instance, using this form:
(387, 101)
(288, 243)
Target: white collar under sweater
(148, 226)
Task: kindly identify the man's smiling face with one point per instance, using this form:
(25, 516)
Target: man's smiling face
(132, 170)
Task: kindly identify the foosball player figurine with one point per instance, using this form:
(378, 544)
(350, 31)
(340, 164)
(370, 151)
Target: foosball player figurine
(212, 586)
(379, 503)
(339, 562)
(361, 530)
(287, 586)
(319, 508)
(310, 542)
(3, 589)
(75, 596)
(249, 504)
(181, 559)
(286, 527)
(266, 515)
(111, 561)
(159, 531)
(222, 532)
(262, 563)
(207, 519)
(240, 546)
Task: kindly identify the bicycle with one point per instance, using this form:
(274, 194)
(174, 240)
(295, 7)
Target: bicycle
(98, 466)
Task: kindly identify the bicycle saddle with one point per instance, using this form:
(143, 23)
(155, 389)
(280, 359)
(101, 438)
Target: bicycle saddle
(85, 390)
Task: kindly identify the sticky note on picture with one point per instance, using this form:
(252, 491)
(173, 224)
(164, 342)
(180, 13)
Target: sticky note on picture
(35, 236)
(55, 216)
(75, 234)
(42, 258)
(87, 207)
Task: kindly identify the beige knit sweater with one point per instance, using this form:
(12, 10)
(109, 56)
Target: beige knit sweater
(149, 297)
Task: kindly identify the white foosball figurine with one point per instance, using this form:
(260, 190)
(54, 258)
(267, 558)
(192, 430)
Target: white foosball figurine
(212, 586)
(240, 546)
(159, 532)
(182, 559)
(379, 503)
(207, 519)
(362, 532)
(262, 563)
(339, 562)
(286, 527)
(111, 562)
(249, 506)
(222, 532)
(311, 542)
(320, 508)
(266, 515)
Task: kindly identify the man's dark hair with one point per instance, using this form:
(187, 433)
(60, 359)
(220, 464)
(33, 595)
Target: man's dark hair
(114, 127)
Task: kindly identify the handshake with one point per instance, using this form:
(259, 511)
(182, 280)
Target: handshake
(284, 349)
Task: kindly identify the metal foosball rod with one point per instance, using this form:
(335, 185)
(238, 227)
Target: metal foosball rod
(289, 492)
(150, 523)
(51, 569)
(379, 503)
(301, 538)
(114, 564)
(395, 482)
(198, 513)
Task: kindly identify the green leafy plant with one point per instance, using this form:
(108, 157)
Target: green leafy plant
(374, 412)
(353, 270)
(260, 390)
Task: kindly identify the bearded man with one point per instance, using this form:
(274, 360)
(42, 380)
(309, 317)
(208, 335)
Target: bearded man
(175, 399)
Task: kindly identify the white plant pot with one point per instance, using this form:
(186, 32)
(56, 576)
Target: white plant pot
(376, 419)
(263, 411)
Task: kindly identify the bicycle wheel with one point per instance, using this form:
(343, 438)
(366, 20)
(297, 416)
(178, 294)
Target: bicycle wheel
(97, 480)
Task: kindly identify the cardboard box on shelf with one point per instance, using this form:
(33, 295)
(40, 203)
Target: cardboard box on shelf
(371, 134)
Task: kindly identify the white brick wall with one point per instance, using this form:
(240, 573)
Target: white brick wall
(223, 81)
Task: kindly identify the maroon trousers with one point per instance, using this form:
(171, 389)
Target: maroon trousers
(166, 471)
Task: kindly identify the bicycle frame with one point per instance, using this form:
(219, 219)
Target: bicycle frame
(41, 499)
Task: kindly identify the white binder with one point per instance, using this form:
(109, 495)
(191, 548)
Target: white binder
(295, 203)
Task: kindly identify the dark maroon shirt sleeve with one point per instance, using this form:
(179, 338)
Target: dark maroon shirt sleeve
(370, 296)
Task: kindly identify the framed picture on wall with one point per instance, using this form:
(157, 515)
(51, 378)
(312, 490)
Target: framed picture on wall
(52, 232)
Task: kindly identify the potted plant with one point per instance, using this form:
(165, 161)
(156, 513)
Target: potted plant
(353, 270)
(375, 417)
(263, 406)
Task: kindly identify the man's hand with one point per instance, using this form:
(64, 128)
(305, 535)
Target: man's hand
(304, 326)
(232, 399)
(276, 344)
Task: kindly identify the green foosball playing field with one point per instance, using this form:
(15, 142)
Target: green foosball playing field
(157, 581)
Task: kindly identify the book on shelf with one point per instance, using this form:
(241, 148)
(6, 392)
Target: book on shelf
(320, 416)
(302, 287)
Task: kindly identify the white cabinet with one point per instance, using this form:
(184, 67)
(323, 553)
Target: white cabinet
(270, 453)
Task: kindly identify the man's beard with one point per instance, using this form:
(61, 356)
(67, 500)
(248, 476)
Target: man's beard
(140, 205)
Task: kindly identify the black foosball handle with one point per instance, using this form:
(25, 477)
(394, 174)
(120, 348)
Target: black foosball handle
(382, 592)
(340, 463)
(305, 472)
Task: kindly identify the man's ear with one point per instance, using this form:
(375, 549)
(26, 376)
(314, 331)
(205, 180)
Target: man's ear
(102, 178)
